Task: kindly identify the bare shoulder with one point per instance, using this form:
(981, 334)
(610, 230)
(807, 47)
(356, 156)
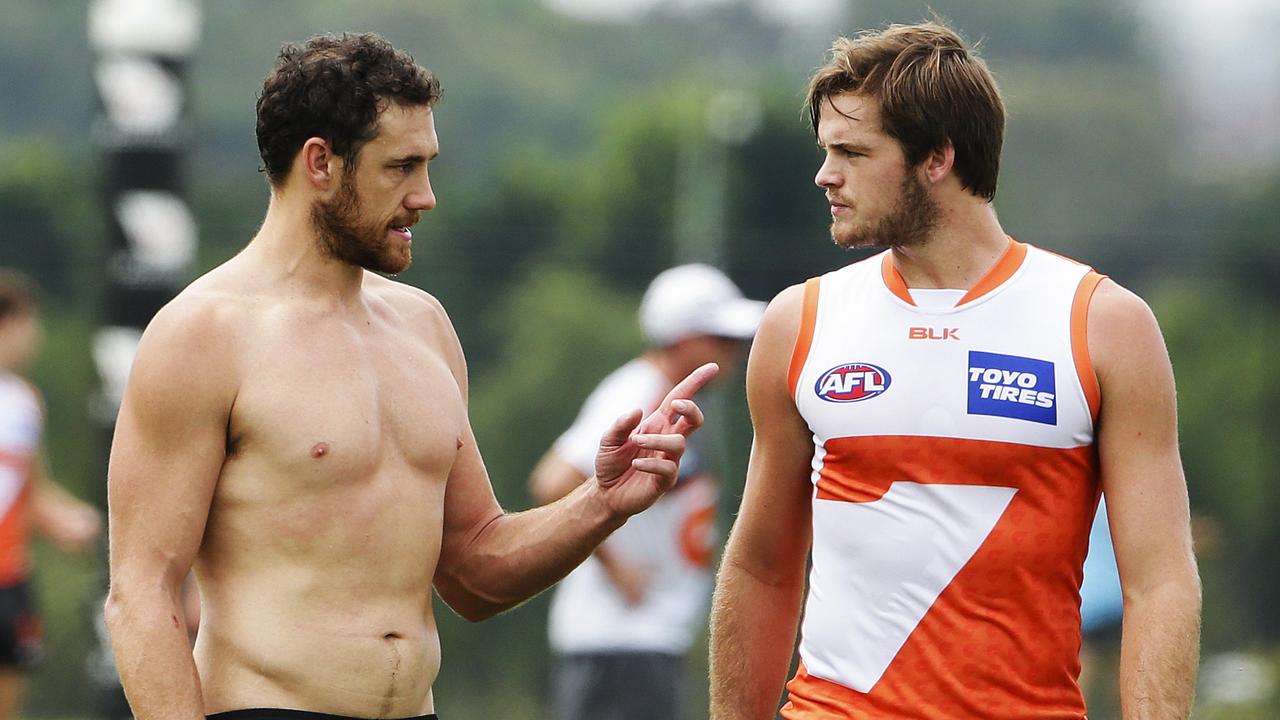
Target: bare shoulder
(403, 296)
(1123, 332)
(769, 364)
(421, 313)
(782, 316)
(1116, 307)
(205, 315)
(411, 304)
(776, 338)
(194, 337)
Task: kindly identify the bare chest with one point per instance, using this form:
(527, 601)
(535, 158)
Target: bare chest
(336, 405)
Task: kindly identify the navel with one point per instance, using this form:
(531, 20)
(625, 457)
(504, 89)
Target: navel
(319, 450)
(459, 443)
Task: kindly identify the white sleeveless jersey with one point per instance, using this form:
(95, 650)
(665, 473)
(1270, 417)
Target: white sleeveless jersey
(21, 425)
(955, 478)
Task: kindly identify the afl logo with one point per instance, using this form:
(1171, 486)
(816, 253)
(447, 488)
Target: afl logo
(852, 382)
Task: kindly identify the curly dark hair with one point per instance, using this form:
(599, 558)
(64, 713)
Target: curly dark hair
(334, 87)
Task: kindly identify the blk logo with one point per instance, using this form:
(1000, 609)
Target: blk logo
(928, 333)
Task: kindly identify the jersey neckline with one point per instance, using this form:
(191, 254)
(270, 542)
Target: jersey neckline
(1000, 273)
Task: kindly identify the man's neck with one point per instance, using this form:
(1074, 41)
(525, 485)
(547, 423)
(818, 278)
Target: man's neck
(288, 249)
(966, 244)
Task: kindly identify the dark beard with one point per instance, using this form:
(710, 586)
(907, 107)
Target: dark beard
(909, 224)
(343, 237)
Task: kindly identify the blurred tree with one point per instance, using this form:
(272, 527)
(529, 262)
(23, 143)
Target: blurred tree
(68, 588)
(1046, 32)
(46, 216)
(1220, 338)
(1250, 231)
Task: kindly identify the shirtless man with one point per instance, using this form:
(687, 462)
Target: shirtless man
(295, 428)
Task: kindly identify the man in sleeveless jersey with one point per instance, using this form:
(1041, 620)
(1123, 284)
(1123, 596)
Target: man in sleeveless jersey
(295, 428)
(30, 501)
(622, 622)
(935, 425)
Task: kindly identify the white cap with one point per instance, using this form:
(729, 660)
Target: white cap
(691, 300)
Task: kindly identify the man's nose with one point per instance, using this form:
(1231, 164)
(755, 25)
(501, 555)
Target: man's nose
(422, 198)
(827, 175)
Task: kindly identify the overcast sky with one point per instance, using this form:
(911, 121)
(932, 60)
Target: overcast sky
(791, 12)
(1223, 63)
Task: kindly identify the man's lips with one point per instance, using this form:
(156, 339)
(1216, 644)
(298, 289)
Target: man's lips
(401, 226)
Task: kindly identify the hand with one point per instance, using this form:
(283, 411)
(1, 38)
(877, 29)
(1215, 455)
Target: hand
(639, 460)
(630, 579)
(73, 529)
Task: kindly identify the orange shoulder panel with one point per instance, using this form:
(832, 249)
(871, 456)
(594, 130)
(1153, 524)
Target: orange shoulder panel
(1080, 341)
(804, 340)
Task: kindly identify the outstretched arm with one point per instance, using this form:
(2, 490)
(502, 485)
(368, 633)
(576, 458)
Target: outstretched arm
(1147, 505)
(491, 561)
(760, 585)
(67, 521)
(553, 478)
(168, 450)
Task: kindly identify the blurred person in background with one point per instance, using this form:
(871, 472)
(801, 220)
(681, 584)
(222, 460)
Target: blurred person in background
(935, 424)
(30, 501)
(621, 623)
(295, 428)
(1101, 612)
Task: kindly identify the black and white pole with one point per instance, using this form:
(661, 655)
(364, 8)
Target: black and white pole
(142, 49)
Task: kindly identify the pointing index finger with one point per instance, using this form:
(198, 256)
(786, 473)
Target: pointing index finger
(666, 417)
(690, 386)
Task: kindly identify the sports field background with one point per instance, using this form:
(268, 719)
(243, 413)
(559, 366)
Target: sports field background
(581, 154)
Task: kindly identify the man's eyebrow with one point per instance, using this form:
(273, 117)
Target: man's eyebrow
(415, 158)
(844, 145)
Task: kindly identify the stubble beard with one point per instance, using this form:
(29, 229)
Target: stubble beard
(344, 235)
(909, 224)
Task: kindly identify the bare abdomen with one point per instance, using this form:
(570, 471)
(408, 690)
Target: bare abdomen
(324, 651)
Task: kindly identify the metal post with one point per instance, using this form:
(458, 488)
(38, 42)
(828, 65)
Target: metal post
(142, 49)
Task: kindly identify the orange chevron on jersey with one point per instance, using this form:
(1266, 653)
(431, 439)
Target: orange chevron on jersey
(954, 485)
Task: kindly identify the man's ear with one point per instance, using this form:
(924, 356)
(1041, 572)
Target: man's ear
(319, 163)
(938, 163)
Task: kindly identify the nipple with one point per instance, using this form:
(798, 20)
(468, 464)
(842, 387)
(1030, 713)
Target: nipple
(320, 449)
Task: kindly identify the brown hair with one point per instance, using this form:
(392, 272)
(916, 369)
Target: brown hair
(333, 87)
(18, 294)
(932, 88)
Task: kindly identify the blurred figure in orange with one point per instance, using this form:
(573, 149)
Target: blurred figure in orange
(29, 500)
